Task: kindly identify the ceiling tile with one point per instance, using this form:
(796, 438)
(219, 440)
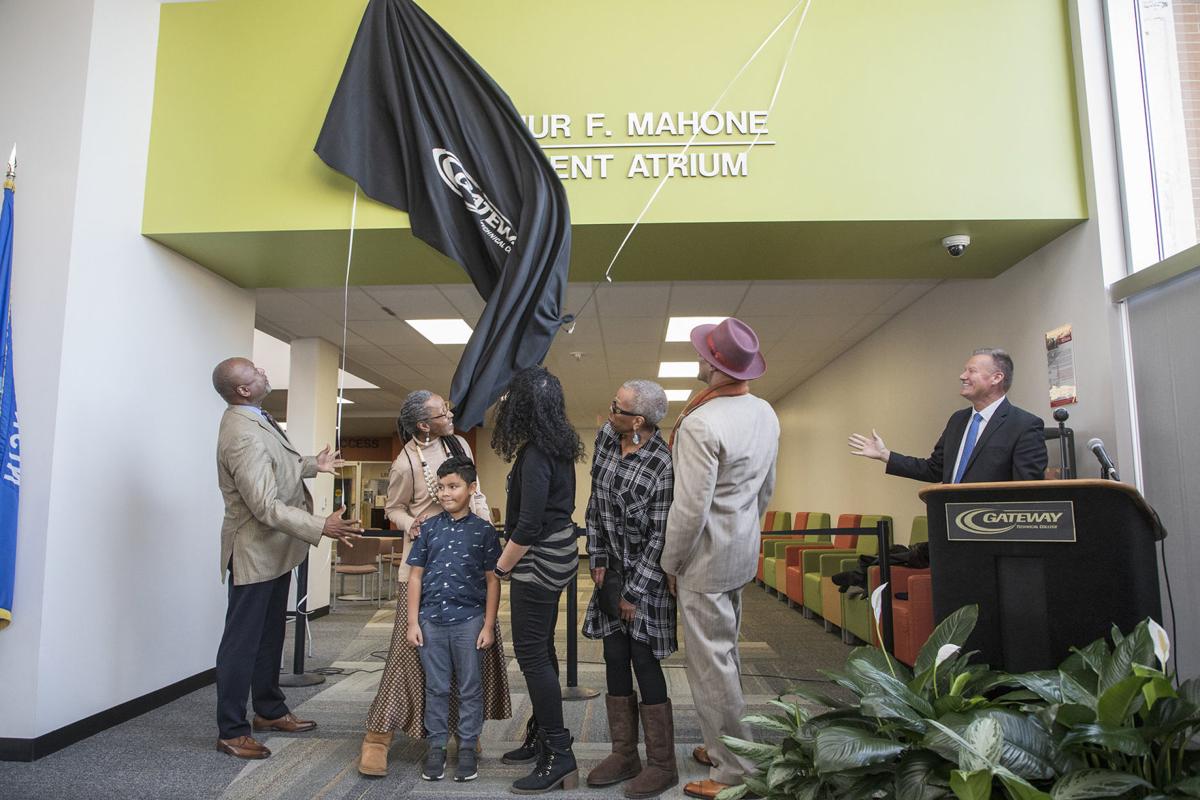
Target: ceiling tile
(633, 330)
(464, 297)
(633, 299)
(706, 298)
(414, 302)
(370, 355)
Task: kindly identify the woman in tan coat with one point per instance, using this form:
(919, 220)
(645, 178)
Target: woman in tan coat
(427, 426)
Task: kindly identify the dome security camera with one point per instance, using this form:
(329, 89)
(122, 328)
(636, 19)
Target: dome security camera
(956, 245)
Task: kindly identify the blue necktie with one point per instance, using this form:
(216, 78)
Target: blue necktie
(968, 446)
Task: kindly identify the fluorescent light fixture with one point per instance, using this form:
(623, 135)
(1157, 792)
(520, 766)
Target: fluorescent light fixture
(679, 369)
(679, 329)
(678, 395)
(344, 402)
(442, 331)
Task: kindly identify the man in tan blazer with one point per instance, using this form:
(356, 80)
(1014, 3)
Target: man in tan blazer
(724, 449)
(267, 530)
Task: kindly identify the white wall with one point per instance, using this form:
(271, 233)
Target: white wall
(115, 339)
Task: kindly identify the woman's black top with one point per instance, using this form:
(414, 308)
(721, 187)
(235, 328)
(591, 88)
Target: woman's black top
(541, 502)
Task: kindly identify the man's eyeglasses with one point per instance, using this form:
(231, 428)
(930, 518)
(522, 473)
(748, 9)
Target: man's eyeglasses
(616, 409)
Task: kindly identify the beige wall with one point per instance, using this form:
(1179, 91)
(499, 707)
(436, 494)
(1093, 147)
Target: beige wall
(903, 379)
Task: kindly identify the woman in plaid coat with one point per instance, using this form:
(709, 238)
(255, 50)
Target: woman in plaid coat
(632, 610)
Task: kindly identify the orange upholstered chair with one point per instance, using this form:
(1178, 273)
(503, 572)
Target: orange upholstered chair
(794, 569)
(912, 618)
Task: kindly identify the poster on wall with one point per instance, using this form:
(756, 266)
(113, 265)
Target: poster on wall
(1060, 365)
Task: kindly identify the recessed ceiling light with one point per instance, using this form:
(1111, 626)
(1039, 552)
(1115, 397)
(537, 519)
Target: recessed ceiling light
(442, 331)
(679, 329)
(678, 395)
(679, 369)
(344, 402)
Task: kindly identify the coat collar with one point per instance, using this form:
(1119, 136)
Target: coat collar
(251, 414)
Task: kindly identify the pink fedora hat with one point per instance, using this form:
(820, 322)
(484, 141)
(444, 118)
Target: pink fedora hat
(731, 347)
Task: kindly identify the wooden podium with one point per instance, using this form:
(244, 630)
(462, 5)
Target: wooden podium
(1051, 564)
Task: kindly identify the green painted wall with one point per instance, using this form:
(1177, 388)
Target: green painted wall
(914, 111)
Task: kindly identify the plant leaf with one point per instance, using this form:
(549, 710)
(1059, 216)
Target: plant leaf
(914, 774)
(778, 774)
(840, 748)
(1072, 714)
(975, 785)
(1020, 789)
(770, 722)
(1123, 740)
(954, 629)
(1085, 784)
(1188, 786)
(1120, 701)
(1136, 648)
(757, 752)
(868, 673)
(888, 707)
(732, 792)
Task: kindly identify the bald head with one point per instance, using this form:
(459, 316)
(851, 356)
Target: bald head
(239, 382)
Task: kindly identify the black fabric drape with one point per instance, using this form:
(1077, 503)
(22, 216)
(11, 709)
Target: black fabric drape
(420, 126)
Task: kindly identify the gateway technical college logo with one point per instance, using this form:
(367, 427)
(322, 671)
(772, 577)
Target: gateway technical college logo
(1052, 521)
(495, 226)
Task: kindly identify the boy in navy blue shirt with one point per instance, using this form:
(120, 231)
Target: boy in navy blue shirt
(453, 596)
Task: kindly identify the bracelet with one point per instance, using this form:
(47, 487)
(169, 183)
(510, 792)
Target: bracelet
(501, 573)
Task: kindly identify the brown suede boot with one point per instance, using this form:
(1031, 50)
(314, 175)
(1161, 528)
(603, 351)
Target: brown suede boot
(623, 763)
(373, 759)
(661, 772)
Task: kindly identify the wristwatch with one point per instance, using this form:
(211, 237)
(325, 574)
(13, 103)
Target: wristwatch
(501, 573)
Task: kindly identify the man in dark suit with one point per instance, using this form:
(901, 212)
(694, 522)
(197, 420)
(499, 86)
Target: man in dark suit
(993, 440)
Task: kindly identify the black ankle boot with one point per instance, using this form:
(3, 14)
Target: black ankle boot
(556, 768)
(529, 750)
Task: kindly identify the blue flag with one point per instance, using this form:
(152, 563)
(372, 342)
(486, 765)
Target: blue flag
(10, 442)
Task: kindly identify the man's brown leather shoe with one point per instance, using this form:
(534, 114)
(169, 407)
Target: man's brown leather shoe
(700, 753)
(242, 747)
(288, 723)
(705, 789)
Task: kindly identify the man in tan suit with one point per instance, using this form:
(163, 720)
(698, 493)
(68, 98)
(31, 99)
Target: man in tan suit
(267, 530)
(724, 449)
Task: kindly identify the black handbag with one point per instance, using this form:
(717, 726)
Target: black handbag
(608, 594)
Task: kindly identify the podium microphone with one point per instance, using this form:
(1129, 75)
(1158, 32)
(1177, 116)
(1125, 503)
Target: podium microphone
(1109, 469)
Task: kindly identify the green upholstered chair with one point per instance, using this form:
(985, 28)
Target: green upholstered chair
(831, 596)
(788, 554)
(810, 565)
(857, 618)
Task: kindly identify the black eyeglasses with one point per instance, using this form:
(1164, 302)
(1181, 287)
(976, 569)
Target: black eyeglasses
(437, 416)
(616, 409)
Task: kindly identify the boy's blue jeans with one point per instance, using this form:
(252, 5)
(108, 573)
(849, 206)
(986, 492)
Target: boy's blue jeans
(450, 650)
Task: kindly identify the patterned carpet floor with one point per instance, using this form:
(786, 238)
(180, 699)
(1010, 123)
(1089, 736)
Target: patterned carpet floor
(169, 753)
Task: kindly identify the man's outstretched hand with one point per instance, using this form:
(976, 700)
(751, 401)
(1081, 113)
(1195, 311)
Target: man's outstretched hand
(344, 530)
(868, 447)
(329, 461)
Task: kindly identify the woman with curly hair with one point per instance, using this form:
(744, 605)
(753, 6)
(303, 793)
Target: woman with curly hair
(426, 425)
(532, 431)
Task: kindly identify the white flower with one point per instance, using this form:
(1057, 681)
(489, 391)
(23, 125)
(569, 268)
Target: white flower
(1162, 643)
(944, 652)
(877, 603)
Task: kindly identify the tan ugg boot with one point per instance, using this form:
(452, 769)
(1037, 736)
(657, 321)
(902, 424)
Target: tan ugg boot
(373, 759)
(623, 763)
(661, 772)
